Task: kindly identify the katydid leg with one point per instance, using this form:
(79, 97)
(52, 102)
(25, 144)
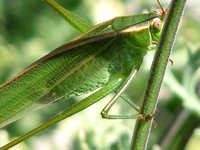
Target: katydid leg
(77, 22)
(132, 104)
(121, 89)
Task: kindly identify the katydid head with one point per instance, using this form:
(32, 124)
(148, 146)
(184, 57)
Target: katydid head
(156, 24)
(143, 30)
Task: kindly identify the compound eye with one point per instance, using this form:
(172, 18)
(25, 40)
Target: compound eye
(157, 24)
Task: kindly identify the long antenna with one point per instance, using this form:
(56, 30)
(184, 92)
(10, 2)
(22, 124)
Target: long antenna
(167, 9)
(161, 6)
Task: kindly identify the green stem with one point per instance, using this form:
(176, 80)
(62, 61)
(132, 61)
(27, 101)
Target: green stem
(143, 128)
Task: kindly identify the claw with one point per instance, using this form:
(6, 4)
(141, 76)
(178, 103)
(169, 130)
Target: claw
(148, 117)
(172, 62)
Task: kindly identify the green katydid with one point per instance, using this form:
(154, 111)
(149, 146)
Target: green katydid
(106, 56)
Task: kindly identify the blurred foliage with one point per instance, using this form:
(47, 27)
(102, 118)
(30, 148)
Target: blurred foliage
(30, 29)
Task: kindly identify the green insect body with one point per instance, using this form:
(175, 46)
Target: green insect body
(106, 56)
(81, 66)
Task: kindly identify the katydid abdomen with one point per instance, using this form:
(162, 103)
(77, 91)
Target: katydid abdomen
(79, 67)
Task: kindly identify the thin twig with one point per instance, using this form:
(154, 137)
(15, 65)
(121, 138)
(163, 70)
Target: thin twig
(143, 128)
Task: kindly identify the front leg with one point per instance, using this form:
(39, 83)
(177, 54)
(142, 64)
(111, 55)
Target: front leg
(121, 89)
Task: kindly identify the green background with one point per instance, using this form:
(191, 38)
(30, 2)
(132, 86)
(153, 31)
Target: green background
(31, 29)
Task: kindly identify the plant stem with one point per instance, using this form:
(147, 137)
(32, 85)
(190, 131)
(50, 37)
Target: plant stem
(143, 128)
